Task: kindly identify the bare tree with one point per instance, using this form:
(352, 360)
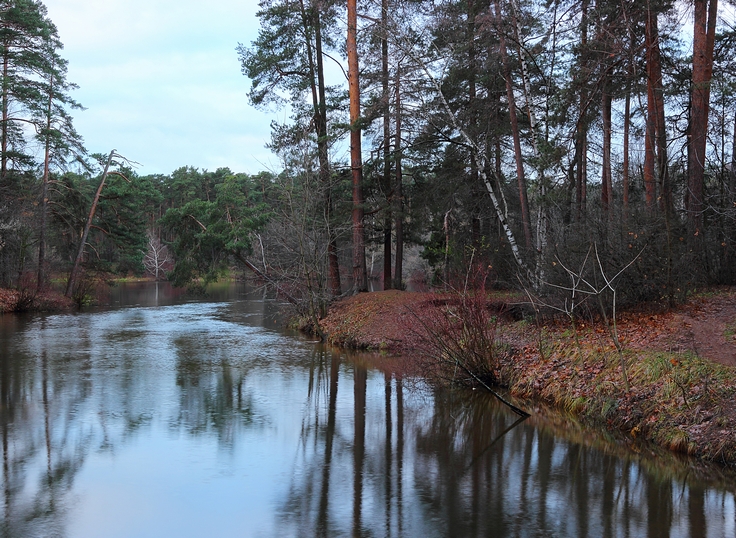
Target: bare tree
(157, 258)
(584, 285)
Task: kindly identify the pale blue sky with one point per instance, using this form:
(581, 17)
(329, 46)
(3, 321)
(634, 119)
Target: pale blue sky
(161, 81)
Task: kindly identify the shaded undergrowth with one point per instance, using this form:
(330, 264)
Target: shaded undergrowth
(31, 301)
(459, 346)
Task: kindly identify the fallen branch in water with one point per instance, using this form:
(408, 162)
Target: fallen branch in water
(515, 409)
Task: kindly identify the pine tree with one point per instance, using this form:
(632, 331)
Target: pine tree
(287, 57)
(26, 37)
(34, 103)
(58, 136)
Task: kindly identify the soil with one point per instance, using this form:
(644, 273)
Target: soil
(680, 362)
(706, 326)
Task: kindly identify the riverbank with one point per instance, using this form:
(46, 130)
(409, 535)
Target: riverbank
(24, 301)
(681, 363)
(52, 299)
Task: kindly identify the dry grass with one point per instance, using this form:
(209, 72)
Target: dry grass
(679, 401)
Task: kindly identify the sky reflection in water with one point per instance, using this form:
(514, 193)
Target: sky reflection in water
(201, 419)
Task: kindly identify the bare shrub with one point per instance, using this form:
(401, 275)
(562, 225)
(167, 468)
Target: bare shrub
(459, 337)
(460, 345)
(89, 286)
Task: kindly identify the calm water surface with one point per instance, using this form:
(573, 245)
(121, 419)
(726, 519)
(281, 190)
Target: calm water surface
(162, 415)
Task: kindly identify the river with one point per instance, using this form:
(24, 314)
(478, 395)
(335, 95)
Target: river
(161, 415)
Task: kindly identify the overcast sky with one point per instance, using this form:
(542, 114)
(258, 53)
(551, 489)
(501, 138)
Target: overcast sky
(161, 81)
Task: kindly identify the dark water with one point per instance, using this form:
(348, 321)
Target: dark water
(163, 416)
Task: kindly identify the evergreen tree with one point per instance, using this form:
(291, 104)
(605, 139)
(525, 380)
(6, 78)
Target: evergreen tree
(208, 234)
(28, 41)
(58, 136)
(288, 56)
(35, 103)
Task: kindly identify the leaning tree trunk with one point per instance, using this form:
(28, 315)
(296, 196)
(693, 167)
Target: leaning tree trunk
(70, 285)
(479, 151)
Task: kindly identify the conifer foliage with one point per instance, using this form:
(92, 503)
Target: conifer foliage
(36, 131)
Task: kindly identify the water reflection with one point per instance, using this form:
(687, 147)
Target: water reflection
(213, 399)
(192, 419)
(464, 466)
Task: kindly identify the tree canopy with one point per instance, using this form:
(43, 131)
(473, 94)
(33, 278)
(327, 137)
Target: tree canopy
(498, 140)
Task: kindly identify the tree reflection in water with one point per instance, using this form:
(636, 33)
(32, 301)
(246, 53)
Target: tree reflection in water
(306, 442)
(40, 460)
(464, 466)
(213, 395)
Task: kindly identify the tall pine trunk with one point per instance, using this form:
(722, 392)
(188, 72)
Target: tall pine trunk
(398, 189)
(655, 82)
(703, 43)
(472, 62)
(5, 112)
(581, 130)
(360, 280)
(324, 166)
(650, 133)
(521, 178)
(606, 181)
(626, 164)
(387, 187)
(45, 192)
(316, 68)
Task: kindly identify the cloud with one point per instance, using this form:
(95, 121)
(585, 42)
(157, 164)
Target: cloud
(161, 81)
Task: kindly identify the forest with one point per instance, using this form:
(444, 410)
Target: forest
(559, 147)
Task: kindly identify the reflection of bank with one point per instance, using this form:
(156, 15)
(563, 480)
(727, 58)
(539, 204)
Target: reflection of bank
(350, 483)
(470, 467)
(213, 393)
(41, 454)
(76, 385)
